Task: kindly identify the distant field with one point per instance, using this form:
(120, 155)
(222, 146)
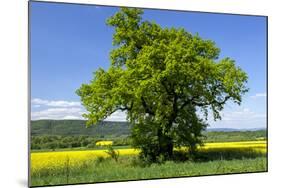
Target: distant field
(89, 166)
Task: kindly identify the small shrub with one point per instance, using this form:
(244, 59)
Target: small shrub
(112, 153)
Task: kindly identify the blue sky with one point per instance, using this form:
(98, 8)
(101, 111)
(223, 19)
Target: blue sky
(69, 42)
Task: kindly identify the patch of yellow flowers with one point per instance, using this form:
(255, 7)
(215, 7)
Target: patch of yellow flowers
(50, 161)
(104, 143)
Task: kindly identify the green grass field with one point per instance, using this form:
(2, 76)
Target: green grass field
(127, 169)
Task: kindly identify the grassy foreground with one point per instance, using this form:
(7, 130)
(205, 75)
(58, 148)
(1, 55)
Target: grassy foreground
(109, 170)
(53, 168)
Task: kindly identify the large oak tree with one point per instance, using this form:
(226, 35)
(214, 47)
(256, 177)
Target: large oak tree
(166, 79)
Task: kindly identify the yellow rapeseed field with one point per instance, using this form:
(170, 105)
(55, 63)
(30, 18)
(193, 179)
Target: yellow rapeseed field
(244, 144)
(259, 146)
(50, 161)
(61, 159)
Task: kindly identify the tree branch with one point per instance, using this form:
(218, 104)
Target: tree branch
(212, 102)
(146, 107)
(189, 101)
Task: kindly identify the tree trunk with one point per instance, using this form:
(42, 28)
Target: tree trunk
(165, 145)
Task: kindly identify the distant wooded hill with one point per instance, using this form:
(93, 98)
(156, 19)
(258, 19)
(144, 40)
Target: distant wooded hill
(78, 127)
(106, 128)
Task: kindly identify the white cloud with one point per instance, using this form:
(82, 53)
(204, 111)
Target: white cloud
(60, 109)
(72, 117)
(117, 116)
(58, 103)
(58, 113)
(258, 95)
(240, 119)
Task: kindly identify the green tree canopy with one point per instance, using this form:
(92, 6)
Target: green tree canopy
(163, 78)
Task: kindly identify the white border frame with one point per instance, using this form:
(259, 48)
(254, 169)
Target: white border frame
(14, 79)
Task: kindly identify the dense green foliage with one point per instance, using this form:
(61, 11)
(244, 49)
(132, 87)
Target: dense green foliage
(130, 168)
(161, 77)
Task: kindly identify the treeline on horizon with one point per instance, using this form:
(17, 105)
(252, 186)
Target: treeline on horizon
(50, 142)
